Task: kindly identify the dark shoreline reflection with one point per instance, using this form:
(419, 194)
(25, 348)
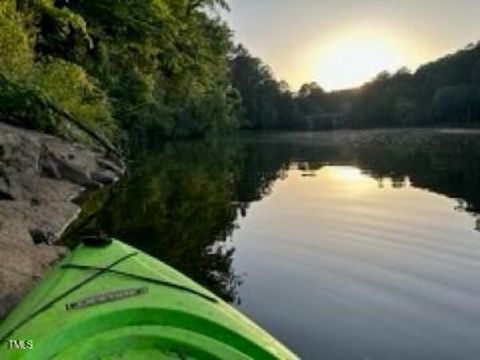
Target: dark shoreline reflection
(183, 202)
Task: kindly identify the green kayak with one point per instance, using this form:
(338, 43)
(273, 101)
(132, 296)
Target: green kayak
(115, 302)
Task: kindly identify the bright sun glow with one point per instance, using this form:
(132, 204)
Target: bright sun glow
(353, 58)
(347, 173)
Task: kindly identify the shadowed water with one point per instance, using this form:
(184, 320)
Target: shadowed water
(343, 245)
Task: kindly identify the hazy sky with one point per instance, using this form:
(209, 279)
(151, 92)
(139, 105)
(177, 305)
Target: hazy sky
(342, 43)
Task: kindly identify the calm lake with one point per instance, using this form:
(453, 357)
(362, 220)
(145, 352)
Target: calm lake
(345, 245)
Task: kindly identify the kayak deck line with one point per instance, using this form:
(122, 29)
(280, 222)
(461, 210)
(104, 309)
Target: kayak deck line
(64, 294)
(142, 278)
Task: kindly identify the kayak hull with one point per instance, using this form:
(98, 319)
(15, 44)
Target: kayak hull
(117, 302)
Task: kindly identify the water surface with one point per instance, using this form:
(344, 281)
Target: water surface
(343, 245)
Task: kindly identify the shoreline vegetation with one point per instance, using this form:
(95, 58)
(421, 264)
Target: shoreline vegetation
(82, 81)
(119, 72)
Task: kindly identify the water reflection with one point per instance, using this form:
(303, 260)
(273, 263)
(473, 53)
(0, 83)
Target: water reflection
(350, 245)
(357, 271)
(177, 206)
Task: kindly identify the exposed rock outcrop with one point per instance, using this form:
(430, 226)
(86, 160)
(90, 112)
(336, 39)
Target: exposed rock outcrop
(40, 175)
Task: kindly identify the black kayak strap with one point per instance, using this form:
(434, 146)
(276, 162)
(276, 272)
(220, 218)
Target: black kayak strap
(143, 278)
(61, 296)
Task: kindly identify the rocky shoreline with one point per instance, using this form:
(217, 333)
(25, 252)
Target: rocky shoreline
(40, 177)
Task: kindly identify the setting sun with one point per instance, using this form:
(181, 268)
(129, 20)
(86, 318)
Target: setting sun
(348, 173)
(351, 59)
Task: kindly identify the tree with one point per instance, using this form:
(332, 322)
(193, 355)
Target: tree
(267, 103)
(149, 67)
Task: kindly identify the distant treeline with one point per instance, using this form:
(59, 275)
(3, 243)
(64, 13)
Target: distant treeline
(445, 92)
(170, 68)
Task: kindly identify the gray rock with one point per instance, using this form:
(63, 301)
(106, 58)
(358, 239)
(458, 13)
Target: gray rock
(49, 167)
(119, 170)
(105, 177)
(39, 176)
(43, 235)
(64, 168)
(5, 193)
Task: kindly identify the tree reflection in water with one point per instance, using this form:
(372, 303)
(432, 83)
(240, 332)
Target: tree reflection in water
(181, 202)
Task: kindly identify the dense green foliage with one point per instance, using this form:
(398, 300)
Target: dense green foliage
(151, 66)
(33, 85)
(266, 103)
(444, 92)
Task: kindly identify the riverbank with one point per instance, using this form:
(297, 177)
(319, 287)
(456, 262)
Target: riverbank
(40, 178)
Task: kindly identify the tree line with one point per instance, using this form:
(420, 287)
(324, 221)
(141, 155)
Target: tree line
(445, 92)
(170, 68)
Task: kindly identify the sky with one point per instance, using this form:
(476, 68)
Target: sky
(344, 43)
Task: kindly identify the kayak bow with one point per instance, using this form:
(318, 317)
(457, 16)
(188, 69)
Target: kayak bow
(116, 302)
